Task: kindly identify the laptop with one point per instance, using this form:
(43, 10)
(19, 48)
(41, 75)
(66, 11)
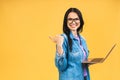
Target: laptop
(98, 60)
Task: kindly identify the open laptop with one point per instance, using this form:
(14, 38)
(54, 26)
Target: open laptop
(98, 60)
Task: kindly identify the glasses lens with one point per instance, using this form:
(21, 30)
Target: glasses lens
(70, 20)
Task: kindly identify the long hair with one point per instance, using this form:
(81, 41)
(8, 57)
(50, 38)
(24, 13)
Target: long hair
(66, 30)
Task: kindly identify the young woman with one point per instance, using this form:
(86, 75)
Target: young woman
(71, 48)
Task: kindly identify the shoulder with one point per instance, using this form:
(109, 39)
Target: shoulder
(82, 38)
(64, 36)
(65, 42)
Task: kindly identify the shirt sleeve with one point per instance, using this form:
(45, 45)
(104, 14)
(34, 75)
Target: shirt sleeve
(61, 60)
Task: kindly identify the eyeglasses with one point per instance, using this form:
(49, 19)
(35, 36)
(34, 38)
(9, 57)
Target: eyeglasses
(76, 20)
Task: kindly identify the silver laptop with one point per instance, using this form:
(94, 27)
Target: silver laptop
(98, 60)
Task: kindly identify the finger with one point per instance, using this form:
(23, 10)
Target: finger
(52, 38)
(58, 35)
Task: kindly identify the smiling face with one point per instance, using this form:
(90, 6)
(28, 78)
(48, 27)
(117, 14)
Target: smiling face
(73, 21)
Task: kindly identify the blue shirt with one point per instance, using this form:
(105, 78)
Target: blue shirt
(69, 64)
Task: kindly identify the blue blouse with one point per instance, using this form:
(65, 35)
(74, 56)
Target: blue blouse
(69, 64)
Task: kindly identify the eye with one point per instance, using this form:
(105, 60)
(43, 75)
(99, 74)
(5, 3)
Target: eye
(76, 19)
(70, 19)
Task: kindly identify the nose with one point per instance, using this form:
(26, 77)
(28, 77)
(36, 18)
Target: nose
(73, 22)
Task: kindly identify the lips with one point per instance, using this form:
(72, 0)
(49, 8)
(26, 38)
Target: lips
(73, 25)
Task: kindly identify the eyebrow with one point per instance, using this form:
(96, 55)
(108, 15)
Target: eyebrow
(72, 18)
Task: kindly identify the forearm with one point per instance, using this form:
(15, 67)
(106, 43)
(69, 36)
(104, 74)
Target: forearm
(61, 61)
(59, 49)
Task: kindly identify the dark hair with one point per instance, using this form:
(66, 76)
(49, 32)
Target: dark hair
(66, 30)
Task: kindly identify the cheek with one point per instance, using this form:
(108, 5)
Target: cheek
(68, 25)
(78, 24)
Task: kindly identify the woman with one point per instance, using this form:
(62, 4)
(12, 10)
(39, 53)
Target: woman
(71, 48)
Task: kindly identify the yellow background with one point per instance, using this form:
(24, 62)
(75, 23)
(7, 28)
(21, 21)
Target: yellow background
(26, 53)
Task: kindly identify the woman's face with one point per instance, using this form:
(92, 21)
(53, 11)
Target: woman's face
(73, 21)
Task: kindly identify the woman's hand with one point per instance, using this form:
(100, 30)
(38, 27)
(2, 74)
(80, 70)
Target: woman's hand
(58, 39)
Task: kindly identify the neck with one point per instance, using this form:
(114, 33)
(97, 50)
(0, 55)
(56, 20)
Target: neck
(74, 33)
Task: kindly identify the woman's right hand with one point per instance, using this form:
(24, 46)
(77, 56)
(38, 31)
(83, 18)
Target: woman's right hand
(58, 39)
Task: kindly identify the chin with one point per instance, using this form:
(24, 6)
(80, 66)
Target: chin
(73, 29)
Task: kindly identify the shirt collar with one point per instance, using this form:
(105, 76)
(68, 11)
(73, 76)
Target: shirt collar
(73, 37)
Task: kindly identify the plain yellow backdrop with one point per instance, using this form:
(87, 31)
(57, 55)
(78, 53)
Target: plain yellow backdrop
(26, 53)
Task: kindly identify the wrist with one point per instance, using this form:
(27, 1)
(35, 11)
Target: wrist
(59, 45)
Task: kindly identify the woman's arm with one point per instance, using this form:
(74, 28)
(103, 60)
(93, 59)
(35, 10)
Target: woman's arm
(60, 58)
(61, 51)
